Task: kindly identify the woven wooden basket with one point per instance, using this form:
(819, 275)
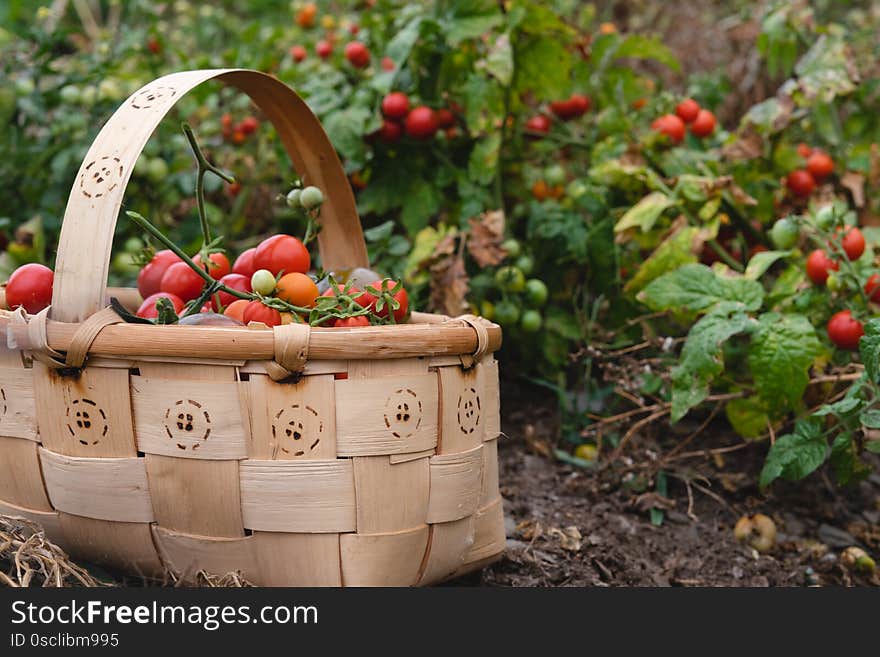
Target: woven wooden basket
(181, 448)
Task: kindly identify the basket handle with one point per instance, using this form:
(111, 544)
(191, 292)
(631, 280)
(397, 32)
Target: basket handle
(96, 198)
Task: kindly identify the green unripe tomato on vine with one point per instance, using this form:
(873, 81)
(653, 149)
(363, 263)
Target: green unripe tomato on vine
(510, 279)
(531, 321)
(311, 197)
(512, 247)
(487, 309)
(293, 198)
(833, 282)
(263, 282)
(157, 170)
(554, 175)
(784, 233)
(526, 264)
(536, 292)
(506, 313)
(825, 217)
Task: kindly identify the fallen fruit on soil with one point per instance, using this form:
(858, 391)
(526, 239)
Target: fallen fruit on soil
(758, 531)
(855, 558)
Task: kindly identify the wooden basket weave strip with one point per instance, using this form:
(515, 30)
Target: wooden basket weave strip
(178, 448)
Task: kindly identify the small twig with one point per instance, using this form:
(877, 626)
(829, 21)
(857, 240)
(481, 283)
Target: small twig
(635, 427)
(717, 498)
(710, 452)
(771, 432)
(675, 450)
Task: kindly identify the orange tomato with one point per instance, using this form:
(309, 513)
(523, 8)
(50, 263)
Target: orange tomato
(305, 17)
(540, 190)
(297, 289)
(235, 310)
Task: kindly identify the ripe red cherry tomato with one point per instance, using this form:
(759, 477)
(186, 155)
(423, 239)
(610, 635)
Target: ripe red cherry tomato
(704, 124)
(357, 54)
(257, 311)
(298, 53)
(872, 287)
(148, 307)
(244, 264)
(844, 330)
(819, 265)
(671, 126)
(236, 282)
(351, 322)
(282, 253)
(579, 105)
(445, 118)
(387, 64)
(401, 297)
(249, 125)
(562, 109)
(803, 150)
(30, 287)
(219, 266)
(390, 132)
(182, 281)
(150, 277)
(323, 49)
(820, 165)
(538, 123)
(687, 110)
(800, 182)
(853, 244)
(420, 123)
(395, 105)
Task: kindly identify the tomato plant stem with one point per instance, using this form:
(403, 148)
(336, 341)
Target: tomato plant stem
(203, 167)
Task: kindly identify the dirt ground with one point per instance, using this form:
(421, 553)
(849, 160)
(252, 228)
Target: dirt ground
(568, 526)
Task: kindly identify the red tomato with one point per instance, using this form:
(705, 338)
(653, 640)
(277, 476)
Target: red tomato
(800, 182)
(352, 322)
(236, 282)
(148, 307)
(819, 265)
(219, 266)
(387, 64)
(30, 287)
(820, 165)
(354, 28)
(150, 277)
(298, 53)
(580, 104)
(236, 309)
(687, 110)
(854, 244)
(282, 253)
(249, 125)
(361, 298)
(671, 126)
(257, 311)
(395, 105)
(154, 45)
(562, 109)
(234, 189)
(357, 54)
(844, 330)
(323, 49)
(445, 118)
(401, 297)
(704, 124)
(244, 264)
(803, 150)
(390, 132)
(420, 123)
(182, 281)
(872, 287)
(538, 123)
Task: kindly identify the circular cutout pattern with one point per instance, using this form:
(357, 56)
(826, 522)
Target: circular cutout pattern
(101, 176)
(150, 97)
(297, 430)
(187, 424)
(469, 411)
(403, 413)
(86, 422)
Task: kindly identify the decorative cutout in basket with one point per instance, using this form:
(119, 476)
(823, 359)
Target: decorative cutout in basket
(170, 447)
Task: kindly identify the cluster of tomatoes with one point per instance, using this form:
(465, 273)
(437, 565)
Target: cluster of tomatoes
(521, 297)
(357, 53)
(818, 167)
(237, 133)
(687, 113)
(420, 122)
(574, 107)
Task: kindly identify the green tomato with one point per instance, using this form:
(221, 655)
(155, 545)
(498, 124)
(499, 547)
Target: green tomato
(157, 170)
(784, 233)
(263, 282)
(536, 292)
(526, 264)
(24, 86)
(293, 200)
(512, 247)
(506, 313)
(575, 189)
(70, 94)
(510, 279)
(531, 321)
(133, 245)
(554, 175)
(311, 197)
(109, 90)
(487, 309)
(825, 217)
(833, 282)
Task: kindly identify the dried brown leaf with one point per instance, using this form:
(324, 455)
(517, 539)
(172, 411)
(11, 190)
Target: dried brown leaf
(855, 183)
(485, 237)
(748, 145)
(449, 285)
(569, 537)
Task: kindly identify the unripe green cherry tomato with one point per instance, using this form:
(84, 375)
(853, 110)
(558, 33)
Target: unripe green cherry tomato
(825, 217)
(263, 282)
(293, 198)
(70, 94)
(510, 279)
(311, 197)
(512, 247)
(531, 321)
(536, 292)
(526, 264)
(554, 175)
(575, 189)
(487, 309)
(157, 170)
(833, 282)
(506, 313)
(784, 233)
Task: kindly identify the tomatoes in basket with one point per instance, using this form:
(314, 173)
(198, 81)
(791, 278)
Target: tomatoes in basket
(257, 311)
(844, 330)
(30, 287)
(297, 289)
(236, 282)
(361, 298)
(182, 281)
(282, 253)
(219, 266)
(401, 297)
(148, 307)
(819, 265)
(244, 264)
(351, 322)
(236, 309)
(150, 277)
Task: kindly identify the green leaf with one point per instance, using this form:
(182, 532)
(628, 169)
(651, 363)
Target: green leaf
(499, 60)
(869, 349)
(401, 45)
(845, 461)
(697, 288)
(483, 161)
(673, 252)
(420, 203)
(786, 285)
(484, 102)
(644, 47)
(645, 213)
(543, 66)
(795, 455)
(702, 356)
(747, 416)
(827, 70)
(850, 405)
(870, 418)
(873, 446)
(762, 261)
(471, 27)
(346, 129)
(563, 323)
(782, 349)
